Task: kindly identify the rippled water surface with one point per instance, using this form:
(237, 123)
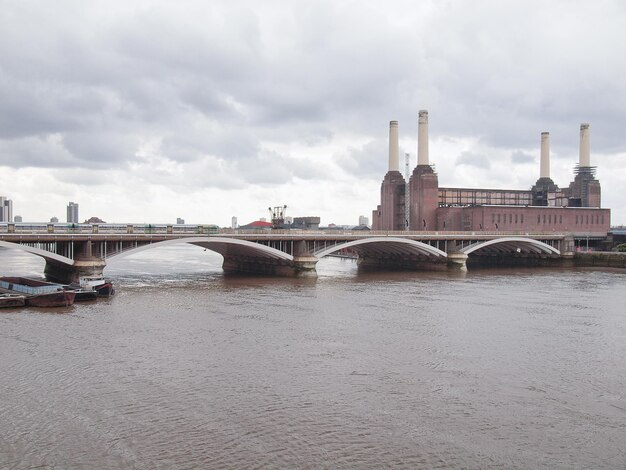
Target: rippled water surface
(188, 368)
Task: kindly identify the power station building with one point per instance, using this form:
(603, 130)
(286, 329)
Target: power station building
(545, 207)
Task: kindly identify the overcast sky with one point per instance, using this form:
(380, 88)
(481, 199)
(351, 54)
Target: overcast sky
(145, 111)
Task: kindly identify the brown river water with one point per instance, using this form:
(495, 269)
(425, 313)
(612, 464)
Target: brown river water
(188, 368)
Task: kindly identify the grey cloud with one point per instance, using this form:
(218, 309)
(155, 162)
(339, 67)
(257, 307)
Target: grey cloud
(100, 77)
(473, 159)
(42, 152)
(369, 161)
(518, 157)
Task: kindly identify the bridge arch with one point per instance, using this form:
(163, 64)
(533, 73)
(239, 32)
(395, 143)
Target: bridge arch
(221, 245)
(511, 244)
(47, 255)
(386, 245)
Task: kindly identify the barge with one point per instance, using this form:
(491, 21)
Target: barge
(38, 293)
(12, 300)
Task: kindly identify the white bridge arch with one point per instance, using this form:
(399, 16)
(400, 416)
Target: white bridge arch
(391, 245)
(220, 245)
(511, 244)
(45, 254)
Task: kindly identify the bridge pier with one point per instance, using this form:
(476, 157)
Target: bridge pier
(304, 266)
(301, 266)
(401, 263)
(457, 260)
(66, 274)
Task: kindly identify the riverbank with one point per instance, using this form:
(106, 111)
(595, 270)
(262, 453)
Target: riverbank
(609, 259)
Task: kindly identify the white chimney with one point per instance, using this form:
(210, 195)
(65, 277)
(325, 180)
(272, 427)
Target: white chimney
(422, 138)
(584, 158)
(544, 171)
(394, 158)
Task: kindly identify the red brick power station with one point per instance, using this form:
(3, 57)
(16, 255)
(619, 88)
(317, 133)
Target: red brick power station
(544, 207)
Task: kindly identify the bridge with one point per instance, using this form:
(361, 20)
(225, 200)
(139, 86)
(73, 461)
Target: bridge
(73, 250)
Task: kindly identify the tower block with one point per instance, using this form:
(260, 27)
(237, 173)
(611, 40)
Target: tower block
(424, 183)
(390, 213)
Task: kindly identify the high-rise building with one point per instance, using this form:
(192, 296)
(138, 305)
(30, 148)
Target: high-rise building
(6, 209)
(17, 218)
(72, 213)
(233, 222)
(364, 220)
(180, 221)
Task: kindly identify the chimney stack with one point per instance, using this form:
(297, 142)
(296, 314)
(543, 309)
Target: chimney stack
(394, 159)
(544, 170)
(584, 158)
(422, 138)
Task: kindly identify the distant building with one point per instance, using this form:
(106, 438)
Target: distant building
(364, 220)
(256, 225)
(6, 209)
(306, 223)
(233, 222)
(72, 213)
(17, 218)
(54, 220)
(180, 221)
(544, 207)
(95, 220)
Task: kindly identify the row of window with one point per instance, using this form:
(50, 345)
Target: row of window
(549, 219)
(502, 218)
(599, 219)
(467, 197)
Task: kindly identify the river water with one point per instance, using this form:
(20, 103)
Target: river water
(188, 368)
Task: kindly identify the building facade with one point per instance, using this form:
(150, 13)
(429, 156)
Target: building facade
(545, 207)
(72, 213)
(6, 209)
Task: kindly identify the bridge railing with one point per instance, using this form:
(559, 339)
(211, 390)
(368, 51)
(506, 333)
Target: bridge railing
(188, 229)
(66, 228)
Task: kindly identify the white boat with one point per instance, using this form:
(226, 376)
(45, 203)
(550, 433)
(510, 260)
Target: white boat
(102, 286)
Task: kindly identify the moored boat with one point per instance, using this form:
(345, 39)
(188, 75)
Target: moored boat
(12, 300)
(38, 293)
(61, 298)
(82, 294)
(102, 286)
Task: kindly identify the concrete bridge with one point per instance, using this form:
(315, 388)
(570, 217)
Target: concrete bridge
(74, 250)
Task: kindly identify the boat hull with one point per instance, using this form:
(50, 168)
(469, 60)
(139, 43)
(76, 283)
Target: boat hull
(84, 295)
(105, 290)
(10, 300)
(62, 298)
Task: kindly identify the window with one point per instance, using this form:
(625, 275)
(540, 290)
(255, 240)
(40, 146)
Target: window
(510, 218)
(515, 218)
(522, 218)
(560, 219)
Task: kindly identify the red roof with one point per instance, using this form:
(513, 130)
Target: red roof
(258, 224)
